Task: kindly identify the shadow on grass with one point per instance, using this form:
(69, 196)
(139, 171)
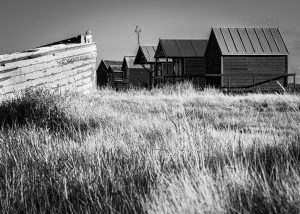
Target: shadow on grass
(43, 109)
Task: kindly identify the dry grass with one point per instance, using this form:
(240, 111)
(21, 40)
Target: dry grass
(170, 150)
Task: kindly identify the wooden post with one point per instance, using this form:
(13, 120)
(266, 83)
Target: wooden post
(167, 67)
(222, 72)
(294, 80)
(286, 70)
(173, 63)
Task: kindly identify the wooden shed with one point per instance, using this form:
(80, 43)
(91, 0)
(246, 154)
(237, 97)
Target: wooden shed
(136, 75)
(187, 58)
(146, 57)
(108, 72)
(246, 57)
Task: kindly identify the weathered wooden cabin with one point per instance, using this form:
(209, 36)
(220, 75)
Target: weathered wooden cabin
(136, 75)
(65, 65)
(145, 57)
(246, 57)
(109, 72)
(187, 59)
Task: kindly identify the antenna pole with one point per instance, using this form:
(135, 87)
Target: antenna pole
(138, 31)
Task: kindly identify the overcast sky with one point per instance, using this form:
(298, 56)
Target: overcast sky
(29, 23)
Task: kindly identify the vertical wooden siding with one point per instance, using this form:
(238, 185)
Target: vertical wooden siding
(62, 66)
(195, 66)
(138, 77)
(242, 69)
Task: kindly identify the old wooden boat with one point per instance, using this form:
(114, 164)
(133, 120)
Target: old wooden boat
(65, 65)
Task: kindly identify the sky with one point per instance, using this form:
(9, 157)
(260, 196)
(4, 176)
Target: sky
(26, 24)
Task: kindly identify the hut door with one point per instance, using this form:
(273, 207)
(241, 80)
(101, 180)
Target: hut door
(178, 67)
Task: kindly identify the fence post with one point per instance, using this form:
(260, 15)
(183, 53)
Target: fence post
(228, 81)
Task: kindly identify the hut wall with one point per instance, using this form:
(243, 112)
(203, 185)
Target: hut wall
(213, 61)
(138, 77)
(242, 69)
(164, 68)
(195, 67)
(102, 75)
(62, 66)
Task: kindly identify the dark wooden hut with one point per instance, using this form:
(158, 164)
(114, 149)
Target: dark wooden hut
(145, 58)
(184, 59)
(108, 72)
(246, 57)
(135, 75)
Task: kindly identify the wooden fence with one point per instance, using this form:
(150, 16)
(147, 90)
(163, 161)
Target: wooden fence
(262, 80)
(66, 65)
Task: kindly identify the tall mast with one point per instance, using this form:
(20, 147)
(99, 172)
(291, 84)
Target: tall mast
(138, 31)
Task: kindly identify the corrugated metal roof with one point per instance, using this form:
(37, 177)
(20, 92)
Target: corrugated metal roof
(145, 55)
(250, 41)
(113, 63)
(183, 48)
(149, 52)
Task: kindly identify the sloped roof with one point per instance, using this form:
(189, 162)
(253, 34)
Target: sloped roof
(250, 41)
(182, 48)
(145, 55)
(113, 63)
(129, 61)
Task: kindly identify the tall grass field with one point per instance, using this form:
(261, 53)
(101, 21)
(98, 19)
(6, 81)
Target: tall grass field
(169, 150)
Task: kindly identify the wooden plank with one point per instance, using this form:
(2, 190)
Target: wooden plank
(43, 73)
(194, 66)
(57, 79)
(6, 58)
(49, 75)
(59, 57)
(71, 85)
(68, 78)
(85, 87)
(46, 65)
(66, 87)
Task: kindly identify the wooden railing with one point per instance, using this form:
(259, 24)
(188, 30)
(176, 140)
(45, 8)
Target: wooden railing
(272, 78)
(229, 83)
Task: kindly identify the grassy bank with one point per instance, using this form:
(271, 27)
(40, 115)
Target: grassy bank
(171, 150)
